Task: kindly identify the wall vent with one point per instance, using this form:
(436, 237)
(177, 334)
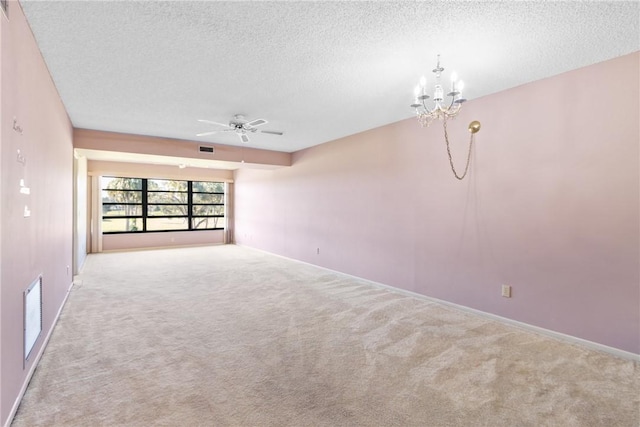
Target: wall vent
(206, 149)
(32, 316)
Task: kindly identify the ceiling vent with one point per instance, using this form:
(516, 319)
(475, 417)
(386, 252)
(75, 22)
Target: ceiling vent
(206, 149)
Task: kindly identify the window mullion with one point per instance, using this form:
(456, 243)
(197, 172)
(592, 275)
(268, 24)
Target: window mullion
(190, 204)
(145, 204)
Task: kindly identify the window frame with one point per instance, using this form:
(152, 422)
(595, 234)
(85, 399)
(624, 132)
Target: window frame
(189, 206)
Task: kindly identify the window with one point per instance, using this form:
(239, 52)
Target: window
(167, 205)
(207, 207)
(121, 205)
(131, 205)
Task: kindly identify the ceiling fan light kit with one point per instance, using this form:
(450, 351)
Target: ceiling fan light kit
(241, 126)
(442, 110)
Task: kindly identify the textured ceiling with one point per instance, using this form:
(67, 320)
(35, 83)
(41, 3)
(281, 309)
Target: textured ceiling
(315, 70)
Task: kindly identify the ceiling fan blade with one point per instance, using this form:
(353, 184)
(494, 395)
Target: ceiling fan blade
(272, 132)
(243, 137)
(256, 123)
(207, 133)
(214, 131)
(214, 123)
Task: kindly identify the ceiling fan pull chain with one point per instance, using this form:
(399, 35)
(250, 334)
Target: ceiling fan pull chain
(466, 168)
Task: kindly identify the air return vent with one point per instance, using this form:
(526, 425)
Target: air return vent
(206, 149)
(32, 315)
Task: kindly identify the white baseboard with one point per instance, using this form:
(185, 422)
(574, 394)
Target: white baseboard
(532, 328)
(34, 365)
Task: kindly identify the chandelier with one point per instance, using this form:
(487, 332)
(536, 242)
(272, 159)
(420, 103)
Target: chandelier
(443, 110)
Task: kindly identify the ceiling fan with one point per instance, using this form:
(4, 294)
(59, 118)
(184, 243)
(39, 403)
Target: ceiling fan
(240, 126)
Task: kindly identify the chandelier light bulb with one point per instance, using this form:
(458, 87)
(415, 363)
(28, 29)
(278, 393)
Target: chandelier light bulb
(460, 86)
(423, 81)
(438, 93)
(454, 77)
(416, 91)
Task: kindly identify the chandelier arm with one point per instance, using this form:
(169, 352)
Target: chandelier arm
(466, 168)
(424, 105)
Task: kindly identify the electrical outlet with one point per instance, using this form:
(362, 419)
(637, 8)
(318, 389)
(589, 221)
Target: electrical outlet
(318, 251)
(506, 291)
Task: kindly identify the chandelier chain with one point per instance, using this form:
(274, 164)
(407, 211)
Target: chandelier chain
(453, 168)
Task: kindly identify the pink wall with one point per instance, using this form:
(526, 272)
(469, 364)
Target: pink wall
(42, 243)
(116, 242)
(551, 206)
(126, 143)
(142, 170)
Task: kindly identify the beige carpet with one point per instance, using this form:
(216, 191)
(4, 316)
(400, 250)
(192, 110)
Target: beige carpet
(228, 336)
